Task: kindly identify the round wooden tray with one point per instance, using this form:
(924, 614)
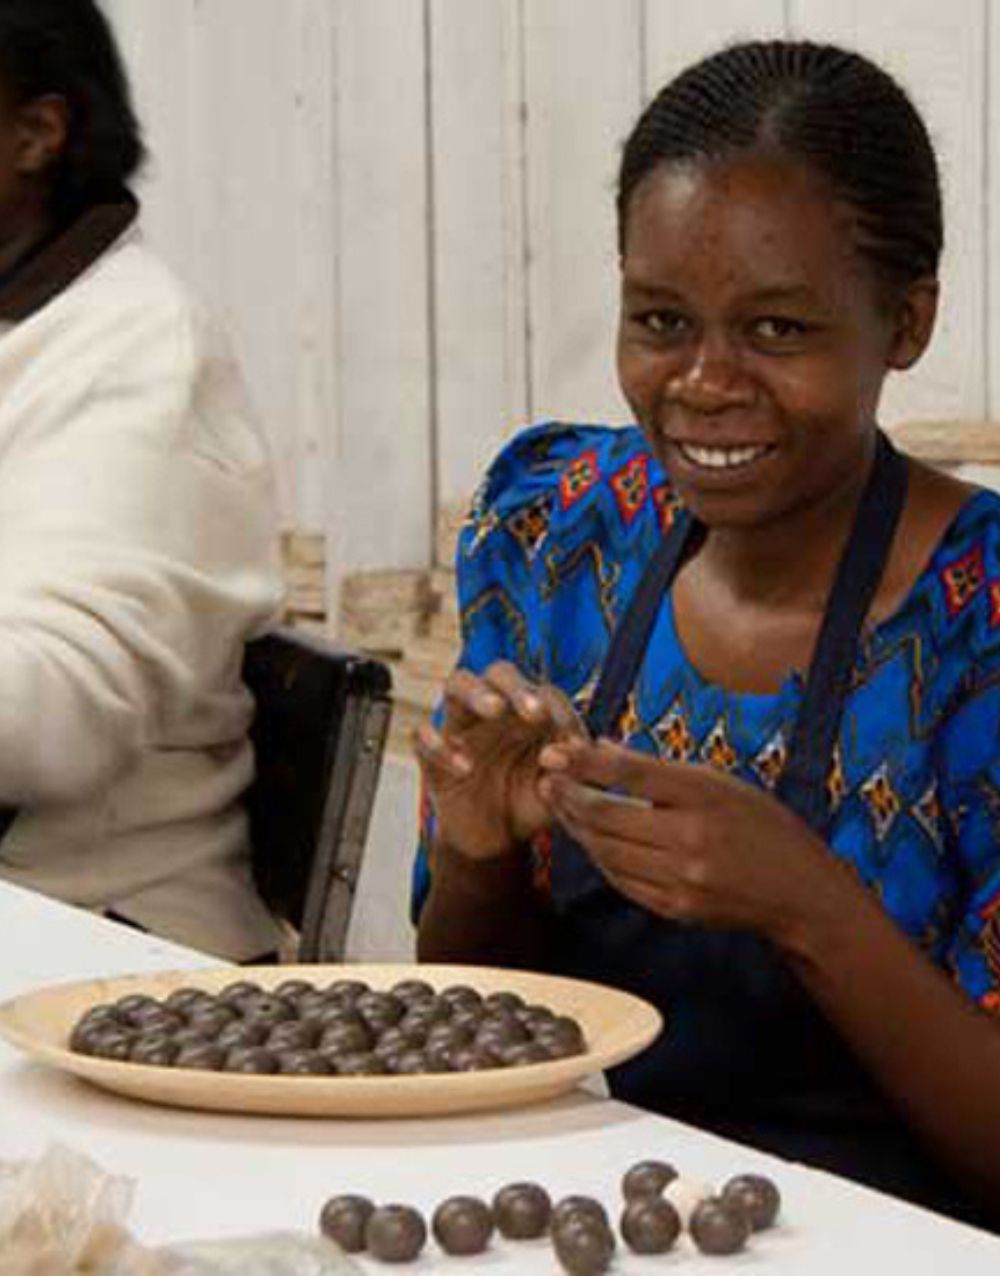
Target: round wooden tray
(616, 1025)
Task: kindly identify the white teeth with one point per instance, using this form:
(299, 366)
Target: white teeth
(720, 458)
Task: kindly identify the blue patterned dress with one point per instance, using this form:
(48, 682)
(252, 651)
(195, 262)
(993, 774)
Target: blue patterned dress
(554, 546)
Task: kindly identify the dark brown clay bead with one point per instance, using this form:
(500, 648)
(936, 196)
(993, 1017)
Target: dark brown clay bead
(200, 1055)
(251, 1060)
(462, 1225)
(497, 1033)
(473, 1058)
(522, 1211)
(344, 1219)
(157, 1049)
(583, 1246)
(650, 1225)
(456, 995)
(756, 1196)
(407, 1063)
(647, 1178)
(293, 1034)
(392, 1042)
(345, 1036)
(181, 998)
(395, 1233)
(438, 1058)
(241, 1033)
(131, 1009)
(409, 990)
(209, 1022)
(503, 1001)
(379, 1010)
(188, 1037)
(155, 1016)
(449, 1034)
(349, 989)
(523, 1053)
(586, 1206)
(292, 989)
(304, 1063)
(364, 1064)
(267, 1011)
(112, 1043)
(718, 1228)
(315, 1005)
(239, 991)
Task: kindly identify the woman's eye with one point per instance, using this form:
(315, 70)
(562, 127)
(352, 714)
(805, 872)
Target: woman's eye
(664, 323)
(775, 328)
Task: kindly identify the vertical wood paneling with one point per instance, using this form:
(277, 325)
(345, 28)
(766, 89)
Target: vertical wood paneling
(582, 82)
(991, 243)
(382, 510)
(936, 51)
(676, 35)
(478, 241)
(239, 197)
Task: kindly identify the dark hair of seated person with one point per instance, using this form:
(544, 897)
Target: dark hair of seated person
(64, 51)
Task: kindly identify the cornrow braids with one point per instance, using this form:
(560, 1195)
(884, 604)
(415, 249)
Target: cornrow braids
(833, 109)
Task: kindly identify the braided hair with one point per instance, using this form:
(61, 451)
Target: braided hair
(828, 107)
(66, 47)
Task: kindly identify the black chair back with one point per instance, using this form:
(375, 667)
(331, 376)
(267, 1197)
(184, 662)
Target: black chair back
(319, 734)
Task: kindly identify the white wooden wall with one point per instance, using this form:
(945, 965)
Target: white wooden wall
(403, 209)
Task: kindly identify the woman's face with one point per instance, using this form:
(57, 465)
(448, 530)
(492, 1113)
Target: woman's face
(752, 346)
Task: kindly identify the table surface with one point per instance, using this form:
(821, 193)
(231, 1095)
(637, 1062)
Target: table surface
(206, 1175)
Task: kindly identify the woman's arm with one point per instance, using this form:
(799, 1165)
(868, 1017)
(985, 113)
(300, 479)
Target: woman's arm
(713, 849)
(935, 1053)
(481, 912)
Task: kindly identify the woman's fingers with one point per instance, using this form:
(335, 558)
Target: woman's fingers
(468, 699)
(439, 757)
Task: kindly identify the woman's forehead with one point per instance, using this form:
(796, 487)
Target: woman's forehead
(755, 222)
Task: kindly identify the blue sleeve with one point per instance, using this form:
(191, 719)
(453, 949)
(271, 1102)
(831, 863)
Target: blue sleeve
(497, 567)
(970, 792)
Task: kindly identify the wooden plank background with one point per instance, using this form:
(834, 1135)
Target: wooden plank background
(403, 210)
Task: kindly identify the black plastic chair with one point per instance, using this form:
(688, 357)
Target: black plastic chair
(319, 733)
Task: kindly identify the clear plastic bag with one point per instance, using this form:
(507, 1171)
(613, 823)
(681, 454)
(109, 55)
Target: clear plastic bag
(282, 1254)
(62, 1215)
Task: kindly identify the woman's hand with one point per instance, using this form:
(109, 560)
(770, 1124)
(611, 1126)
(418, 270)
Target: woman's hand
(481, 769)
(704, 846)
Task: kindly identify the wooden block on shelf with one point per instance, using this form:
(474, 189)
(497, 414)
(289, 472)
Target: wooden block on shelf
(949, 443)
(382, 611)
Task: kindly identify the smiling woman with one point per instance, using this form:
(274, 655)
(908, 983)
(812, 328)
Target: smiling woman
(784, 638)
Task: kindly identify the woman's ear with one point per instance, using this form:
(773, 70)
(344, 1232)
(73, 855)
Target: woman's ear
(913, 323)
(42, 131)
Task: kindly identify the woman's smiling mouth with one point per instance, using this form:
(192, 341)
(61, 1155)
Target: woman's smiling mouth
(722, 458)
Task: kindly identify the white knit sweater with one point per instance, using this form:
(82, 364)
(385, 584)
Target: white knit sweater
(138, 550)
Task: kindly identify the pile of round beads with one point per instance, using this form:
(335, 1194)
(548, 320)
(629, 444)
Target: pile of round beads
(658, 1207)
(346, 1029)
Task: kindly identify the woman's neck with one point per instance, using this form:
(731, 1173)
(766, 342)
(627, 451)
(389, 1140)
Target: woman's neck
(790, 561)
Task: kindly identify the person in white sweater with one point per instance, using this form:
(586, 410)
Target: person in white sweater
(138, 532)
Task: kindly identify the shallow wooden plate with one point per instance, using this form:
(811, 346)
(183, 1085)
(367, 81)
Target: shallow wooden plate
(616, 1025)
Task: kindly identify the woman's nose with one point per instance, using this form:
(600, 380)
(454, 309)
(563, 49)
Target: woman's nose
(712, 380)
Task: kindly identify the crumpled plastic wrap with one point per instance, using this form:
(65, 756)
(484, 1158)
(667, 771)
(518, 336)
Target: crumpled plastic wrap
(62, 1215)
(282, 1254)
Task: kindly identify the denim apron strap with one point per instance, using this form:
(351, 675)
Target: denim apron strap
(802, 785)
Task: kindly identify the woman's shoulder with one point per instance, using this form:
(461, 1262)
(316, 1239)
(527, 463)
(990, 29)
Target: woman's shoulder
(957, 594)
(557, 476)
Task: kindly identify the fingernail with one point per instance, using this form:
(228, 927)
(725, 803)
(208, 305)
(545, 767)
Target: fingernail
(531, 703)
(461, 763)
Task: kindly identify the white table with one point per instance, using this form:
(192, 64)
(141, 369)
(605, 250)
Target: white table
(208, 1176)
